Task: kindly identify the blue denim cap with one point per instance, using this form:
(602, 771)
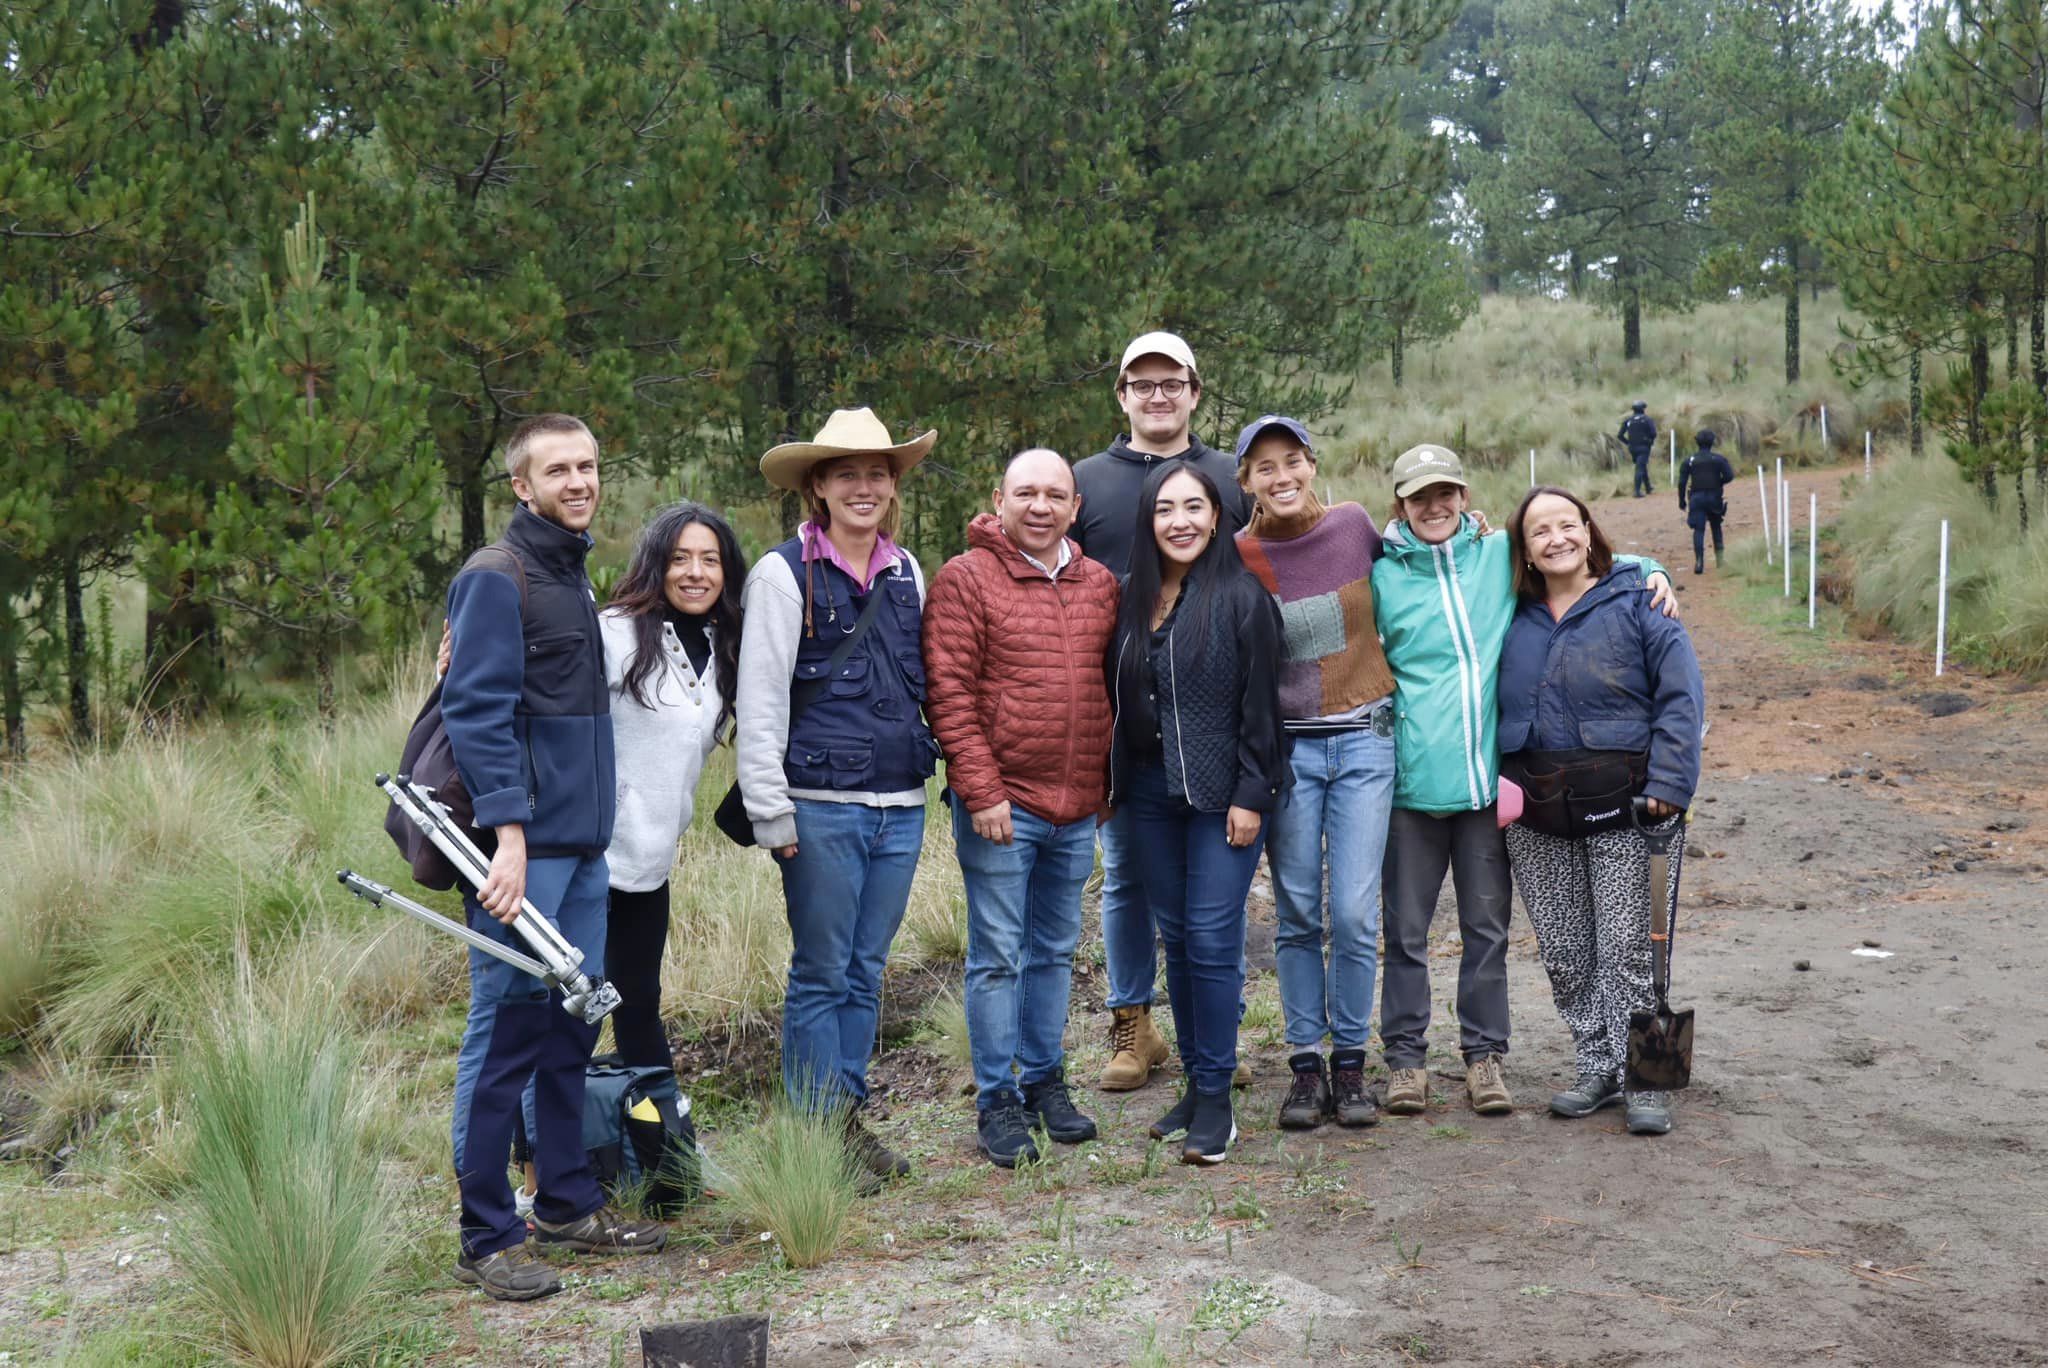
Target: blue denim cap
(1256, 426)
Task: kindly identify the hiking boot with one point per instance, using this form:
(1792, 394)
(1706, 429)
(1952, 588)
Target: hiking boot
(1350, 1103)
(1649, 1113)
(1211, 1131)
(1241, 1076)
(1487, 1086)
(873, 1161)
(1407, 1091)
(1050, 1104)
(1699, 565)
(1589, 1094)
(511, 1274)
(1135, 1048)
(1308, 1097)
(1177, 1116)
(1003, 1132)
(1717, 555)
(606, 1230)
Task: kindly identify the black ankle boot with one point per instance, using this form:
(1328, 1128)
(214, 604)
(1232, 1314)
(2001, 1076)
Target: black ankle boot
(1212, 1130)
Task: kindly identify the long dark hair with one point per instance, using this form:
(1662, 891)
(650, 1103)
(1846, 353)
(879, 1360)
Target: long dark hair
(1213, 572)
(641, 596)
(1529, 581)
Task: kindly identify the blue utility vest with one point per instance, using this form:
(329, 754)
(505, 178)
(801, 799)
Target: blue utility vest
(864, 730)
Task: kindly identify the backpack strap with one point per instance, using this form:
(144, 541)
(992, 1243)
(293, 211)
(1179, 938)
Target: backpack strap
(498, 556)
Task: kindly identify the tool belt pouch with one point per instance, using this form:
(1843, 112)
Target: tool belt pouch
(1575, 793)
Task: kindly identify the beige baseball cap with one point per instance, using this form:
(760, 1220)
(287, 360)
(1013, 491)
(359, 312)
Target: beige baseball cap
(1419, 467)
(1166, 344)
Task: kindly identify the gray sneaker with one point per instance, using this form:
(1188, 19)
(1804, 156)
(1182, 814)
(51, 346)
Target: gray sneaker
(1649, 1113)
(1588, 1095)
(512, 1274)
(606, 1230)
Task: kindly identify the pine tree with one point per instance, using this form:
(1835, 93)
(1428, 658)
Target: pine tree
(1420, 283)
(1601, 108)
(312, 543)
(1785, 77)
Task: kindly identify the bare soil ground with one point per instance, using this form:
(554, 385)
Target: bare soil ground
(1859, 1174)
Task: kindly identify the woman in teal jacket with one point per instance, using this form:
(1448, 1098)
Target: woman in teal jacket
(1443, 596)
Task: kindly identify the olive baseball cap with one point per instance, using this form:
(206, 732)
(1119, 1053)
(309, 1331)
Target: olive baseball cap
(1422, 466)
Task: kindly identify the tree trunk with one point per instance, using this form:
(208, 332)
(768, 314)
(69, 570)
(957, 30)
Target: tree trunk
(77, 651)
(1394, 357)
(2038, 345)
(1913, 406)
(323, 670)
(1632, 325)
(469, 497)
(180, 644)
(1980, 383)
(1792, 325)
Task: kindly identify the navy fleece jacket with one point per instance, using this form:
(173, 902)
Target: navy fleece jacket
(525, 703)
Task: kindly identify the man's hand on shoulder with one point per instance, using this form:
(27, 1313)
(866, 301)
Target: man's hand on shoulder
(504, 888)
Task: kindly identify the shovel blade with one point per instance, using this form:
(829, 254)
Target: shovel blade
(1659, 1050)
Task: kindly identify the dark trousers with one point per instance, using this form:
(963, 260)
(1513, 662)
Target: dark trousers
(1421, 848)
(1703, 514)
(1642, 471)
(1195, 882)
(635, 938)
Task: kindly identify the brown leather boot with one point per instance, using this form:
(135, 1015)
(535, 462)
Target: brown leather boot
(1135, 1049)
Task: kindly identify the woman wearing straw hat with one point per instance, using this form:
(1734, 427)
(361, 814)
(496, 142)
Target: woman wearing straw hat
(834, 751)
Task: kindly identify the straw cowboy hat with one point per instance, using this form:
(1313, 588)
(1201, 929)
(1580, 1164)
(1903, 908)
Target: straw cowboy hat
(848, 432)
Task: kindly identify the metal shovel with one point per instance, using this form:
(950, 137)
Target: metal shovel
(1660, 1041)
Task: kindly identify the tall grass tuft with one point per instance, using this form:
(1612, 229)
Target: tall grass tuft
(1890, 531)
(289, 1232)
(791, 1176)
(945, 1029)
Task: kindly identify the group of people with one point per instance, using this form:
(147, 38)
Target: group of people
(1177, 657)
(1701, 480)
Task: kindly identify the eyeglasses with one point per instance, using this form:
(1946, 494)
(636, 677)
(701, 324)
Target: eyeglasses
(1144, 389)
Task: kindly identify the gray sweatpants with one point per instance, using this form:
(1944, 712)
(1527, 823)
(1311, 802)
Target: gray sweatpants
(1589, 900)
(1421, 847)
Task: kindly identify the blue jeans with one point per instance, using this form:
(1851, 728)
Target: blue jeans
(1023, 917)
(518, 1039)
(1335, 818)
(1195, 884)
(1127, 932)
(844, 890)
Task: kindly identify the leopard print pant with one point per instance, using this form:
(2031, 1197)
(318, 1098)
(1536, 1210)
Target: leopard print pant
(1588, 899)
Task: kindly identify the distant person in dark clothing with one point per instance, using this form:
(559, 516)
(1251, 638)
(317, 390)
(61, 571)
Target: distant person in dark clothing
(1639, 434)
(1701, 480)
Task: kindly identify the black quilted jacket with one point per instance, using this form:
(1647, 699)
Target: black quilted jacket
(1216, 705)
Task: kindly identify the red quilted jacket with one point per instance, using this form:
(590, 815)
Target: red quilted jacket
(1015, 687)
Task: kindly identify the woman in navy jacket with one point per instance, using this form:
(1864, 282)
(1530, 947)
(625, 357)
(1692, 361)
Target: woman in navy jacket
(1600, 703)
(1199, 758)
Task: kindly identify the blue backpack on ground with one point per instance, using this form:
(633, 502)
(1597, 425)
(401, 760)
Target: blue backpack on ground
(641, 1141)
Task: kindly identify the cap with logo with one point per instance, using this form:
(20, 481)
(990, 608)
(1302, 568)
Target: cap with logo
(1166, 344)
(1253, 430)
(1422, 466)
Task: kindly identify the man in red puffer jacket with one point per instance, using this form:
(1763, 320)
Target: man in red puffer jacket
(1016, 634)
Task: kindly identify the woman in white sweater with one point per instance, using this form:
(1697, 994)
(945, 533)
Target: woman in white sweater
(671, 652)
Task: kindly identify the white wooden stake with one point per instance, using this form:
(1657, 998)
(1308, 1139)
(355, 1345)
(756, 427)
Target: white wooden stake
(1763, 497)
(1812, 553)
(1866, 455)
(1674, 458)
(1823, 429)
(1941, 603)
(1532, 467)
(1785, 531)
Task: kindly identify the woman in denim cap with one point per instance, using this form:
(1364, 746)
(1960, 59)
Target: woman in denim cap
(1336, 702)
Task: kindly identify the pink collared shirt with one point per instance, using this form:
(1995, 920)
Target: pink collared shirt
(817, 546)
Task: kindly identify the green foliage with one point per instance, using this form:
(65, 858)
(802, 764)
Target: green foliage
(290, 1232)
(312, 542)
(790, 1176)
(1601, 166)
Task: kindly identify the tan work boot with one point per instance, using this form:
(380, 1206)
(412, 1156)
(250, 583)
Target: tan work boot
(1135, 1049)
(1488, 1087)
(1407, 1091)
(1241, 1077)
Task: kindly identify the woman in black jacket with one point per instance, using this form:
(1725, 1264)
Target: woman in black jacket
(1199, 758)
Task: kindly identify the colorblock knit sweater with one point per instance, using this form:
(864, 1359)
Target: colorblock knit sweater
(1318, 565)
